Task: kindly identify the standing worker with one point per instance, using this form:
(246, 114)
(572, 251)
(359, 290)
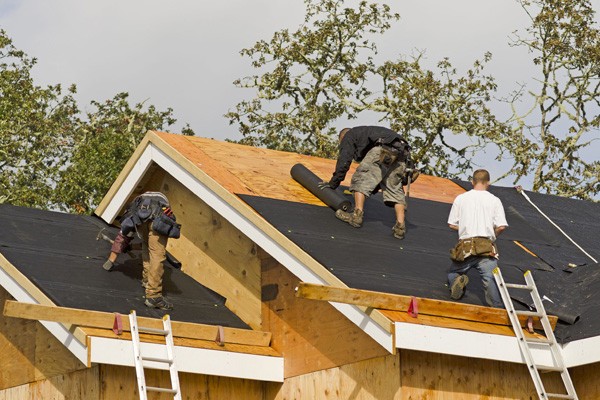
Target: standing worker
(151, 217)
(479, 218)
(383, 155)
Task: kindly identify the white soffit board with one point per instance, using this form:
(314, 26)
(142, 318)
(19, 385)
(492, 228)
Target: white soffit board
(56, 329)
(189, 359)
(295, 266)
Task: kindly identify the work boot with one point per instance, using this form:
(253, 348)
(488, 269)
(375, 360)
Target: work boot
(158, 302)
(108, 265)
(399, 230)
(457, 289)
(355, 218)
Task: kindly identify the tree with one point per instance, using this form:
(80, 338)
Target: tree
(312, 73)
(444, 116)
(552, 138)
(102, 144)
(35, 128)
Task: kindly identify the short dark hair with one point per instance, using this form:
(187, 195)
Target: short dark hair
(481, 176)
(343, 133)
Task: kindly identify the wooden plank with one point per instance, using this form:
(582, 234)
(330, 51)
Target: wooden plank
(397, 302)
(186, 342)
(99, 319)
(453, 323)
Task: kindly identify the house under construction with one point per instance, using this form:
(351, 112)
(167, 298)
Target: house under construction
(274, 298)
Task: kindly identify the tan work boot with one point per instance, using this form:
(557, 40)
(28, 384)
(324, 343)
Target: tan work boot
(354, 218)
(399, 230)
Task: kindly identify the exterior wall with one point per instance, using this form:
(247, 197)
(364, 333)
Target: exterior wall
(311, 335)
(28, 352)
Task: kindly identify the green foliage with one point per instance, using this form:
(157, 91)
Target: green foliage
(552, 138)
(102, 145)
(433, 109)
(326, 71)
(311, 74)
(35, 129)
(51, 157)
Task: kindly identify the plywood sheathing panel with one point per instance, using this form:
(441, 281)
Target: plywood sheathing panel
(120, 383)
(78, 385)
(373, 379)
(28, 352)
(215, 253)
(311, 335)
(435, 376)
(266, 173)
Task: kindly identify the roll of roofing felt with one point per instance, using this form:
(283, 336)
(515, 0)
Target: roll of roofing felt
(310, 181)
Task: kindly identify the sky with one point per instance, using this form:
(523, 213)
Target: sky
(184, 54)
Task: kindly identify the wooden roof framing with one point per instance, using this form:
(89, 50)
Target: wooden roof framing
(217, 171)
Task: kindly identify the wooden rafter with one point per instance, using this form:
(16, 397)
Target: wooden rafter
(395, 302)
(105, 320)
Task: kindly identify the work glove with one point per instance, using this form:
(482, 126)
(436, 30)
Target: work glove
(324, 185)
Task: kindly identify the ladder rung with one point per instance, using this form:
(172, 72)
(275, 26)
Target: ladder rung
(530, 313)
(153, 330)
(549, 368)
(157, 359)
(517, 286)
(539, 340)
(559, 396)
(162, 390)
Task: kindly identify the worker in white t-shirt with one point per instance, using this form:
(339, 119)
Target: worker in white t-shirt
(479, 218)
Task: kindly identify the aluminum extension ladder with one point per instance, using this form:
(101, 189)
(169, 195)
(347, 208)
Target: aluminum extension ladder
(139, 359)
(549, 342)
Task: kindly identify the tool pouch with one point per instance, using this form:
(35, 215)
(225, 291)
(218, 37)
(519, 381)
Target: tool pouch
(167, 226)
(476, 246)
(388, 155)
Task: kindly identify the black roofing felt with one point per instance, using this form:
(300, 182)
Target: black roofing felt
(371, 258)
(59, 253)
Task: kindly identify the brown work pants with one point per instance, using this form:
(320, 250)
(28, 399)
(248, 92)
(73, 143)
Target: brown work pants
(154, 250)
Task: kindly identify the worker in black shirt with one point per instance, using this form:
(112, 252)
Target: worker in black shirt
(383, 155)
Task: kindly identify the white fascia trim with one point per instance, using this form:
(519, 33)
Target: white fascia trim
(466, 343)
(492, 347)
(189, 359)
(581, 352)
(295, 266)
(56, 329)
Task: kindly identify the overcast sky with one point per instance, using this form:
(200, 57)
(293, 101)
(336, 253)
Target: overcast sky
(184, 54)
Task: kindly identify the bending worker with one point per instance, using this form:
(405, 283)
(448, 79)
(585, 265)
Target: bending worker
(479, 218)
(383, 155)
(151, 217)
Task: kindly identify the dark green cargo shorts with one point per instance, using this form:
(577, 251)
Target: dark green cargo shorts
(370, 173)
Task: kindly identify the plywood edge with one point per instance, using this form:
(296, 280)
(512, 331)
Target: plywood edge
(394, 302)
(105, 320)
(122, 175)
(35, 293)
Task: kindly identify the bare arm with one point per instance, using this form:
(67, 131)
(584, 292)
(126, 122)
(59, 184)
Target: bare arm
(453, 227)
(499, 229)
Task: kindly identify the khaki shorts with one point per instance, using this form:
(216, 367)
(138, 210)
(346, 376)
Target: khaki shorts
(370, 173)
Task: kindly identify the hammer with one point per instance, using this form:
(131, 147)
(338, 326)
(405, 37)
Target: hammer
(102, 235)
